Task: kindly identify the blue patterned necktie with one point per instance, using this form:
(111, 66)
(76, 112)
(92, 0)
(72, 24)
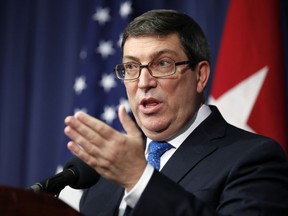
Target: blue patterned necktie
(156, 150)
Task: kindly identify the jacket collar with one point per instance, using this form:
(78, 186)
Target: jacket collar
(196, 147)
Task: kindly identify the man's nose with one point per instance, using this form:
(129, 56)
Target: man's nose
(146, 80)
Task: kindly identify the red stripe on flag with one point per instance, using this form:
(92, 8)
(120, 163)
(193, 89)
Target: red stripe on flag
(251, 41)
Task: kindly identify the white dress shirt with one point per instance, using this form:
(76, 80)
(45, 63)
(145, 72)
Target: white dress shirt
(133, 196)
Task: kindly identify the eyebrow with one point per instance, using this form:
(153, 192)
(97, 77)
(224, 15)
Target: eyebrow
(153, 55)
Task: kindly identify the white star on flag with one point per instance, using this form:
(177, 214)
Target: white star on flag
(125, 9)
(83, 54)
(108, 82)
(101, 15)
(119, 42)
(80, 84)
(109, 114)
(237, 103)
(105, 48)
(77, 109)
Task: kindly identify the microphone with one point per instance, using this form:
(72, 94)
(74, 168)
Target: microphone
(76, 173)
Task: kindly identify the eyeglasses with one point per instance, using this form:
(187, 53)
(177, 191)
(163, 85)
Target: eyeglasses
(159, 68)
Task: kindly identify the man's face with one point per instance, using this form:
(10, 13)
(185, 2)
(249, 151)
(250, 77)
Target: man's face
(162, 106)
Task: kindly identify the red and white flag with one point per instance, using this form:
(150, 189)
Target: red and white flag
(248, 84)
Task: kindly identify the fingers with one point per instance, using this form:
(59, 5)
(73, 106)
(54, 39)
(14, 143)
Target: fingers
(86, 141)
(112, 154)
(127, 123)
(80, 133)
(80, 153)
(94, 124)
(77, 131)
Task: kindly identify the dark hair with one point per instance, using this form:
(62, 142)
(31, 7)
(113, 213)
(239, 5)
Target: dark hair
(165, 22)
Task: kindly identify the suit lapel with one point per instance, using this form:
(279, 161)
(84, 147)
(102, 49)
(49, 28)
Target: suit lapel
(196, 147)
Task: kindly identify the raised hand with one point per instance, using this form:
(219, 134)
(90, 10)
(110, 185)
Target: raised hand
(115, 156)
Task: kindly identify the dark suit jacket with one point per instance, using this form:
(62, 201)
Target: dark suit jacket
(218, 170)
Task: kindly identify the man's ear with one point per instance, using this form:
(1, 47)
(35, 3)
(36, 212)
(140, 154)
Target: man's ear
(203, 73)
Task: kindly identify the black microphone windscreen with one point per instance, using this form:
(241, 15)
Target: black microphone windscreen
(87, 176)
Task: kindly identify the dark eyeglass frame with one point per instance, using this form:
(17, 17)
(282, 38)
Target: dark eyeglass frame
(121, 66)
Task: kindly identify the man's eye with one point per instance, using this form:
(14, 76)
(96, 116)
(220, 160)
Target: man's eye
(131, 66)
(164, 63)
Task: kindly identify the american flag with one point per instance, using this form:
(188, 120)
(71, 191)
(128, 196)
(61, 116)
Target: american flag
(96, 88)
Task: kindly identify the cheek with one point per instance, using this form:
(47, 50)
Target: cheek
(183, 96)
(180, 102)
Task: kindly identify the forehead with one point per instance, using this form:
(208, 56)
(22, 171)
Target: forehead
(150, 46)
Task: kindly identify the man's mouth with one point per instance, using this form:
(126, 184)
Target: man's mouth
(150, 105)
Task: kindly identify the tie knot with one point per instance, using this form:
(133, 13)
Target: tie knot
(156, 150)
(159, 147)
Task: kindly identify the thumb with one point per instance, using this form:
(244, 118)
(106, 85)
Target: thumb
(127, 123)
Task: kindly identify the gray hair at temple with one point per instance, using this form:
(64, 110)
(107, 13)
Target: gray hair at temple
(165, 22)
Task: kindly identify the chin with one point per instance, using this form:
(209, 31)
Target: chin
(155, 133)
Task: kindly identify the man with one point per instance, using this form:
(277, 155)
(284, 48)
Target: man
(209, 168)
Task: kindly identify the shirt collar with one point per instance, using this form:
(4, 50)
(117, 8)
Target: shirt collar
(203, 112)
